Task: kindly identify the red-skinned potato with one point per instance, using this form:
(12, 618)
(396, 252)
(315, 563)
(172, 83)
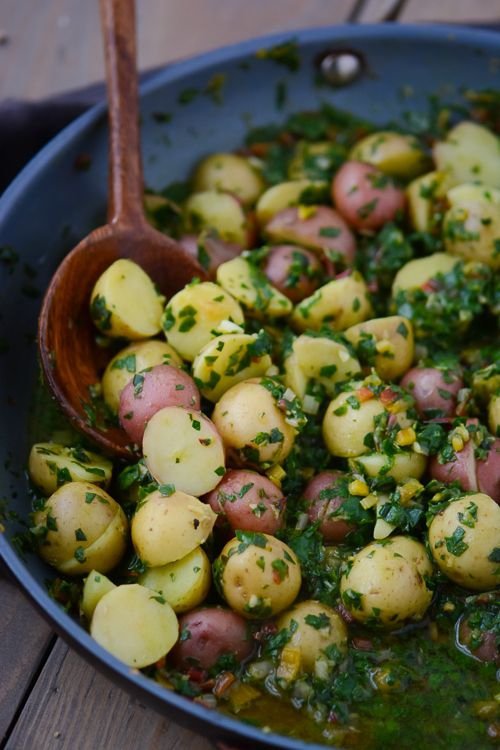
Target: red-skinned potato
(293, 270)
(488, 472)
(318, 228)
(149, 392)
(207, 634)
(486, 651)
(249, 501)
(435, 392)
(322, 502)
(365, 196)
(462, 469)
(209, 250)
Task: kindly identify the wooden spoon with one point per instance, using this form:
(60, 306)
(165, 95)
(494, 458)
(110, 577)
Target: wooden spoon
(71, 360)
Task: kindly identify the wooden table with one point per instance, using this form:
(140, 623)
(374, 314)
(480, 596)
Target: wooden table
(50, 698)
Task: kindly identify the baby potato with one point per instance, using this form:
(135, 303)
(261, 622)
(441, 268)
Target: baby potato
(51, 465)
(184, 583)
(366, 197)
(83, 528)
(434, 391)
(471, 226)
(252, 424)
(461, 469)
(134, 358)
(393, 153)
(125, 304)
(317, 628)
(339, 304)
(281, 196)
(393, 344)
(208, 634)
(247, 500)
(347, 421)
(421, 195)
(488, 472)
(249, 285)
(293, 270)
(324, 504)
(322, 359)
(494, 414)
(150, 391)
(226, 361)
(183, 448)
(470, 153)
(209, 250)
(416, 273)
(194, 313)
(385, 583)
(220, 212)
(229, 173)
(167, 527)
(318, 228)
(134, 625)
(95, 586)
(464, 541)
(257, 574)
(400, 466)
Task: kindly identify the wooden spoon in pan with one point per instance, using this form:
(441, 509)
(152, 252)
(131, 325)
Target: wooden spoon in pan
(71, 361)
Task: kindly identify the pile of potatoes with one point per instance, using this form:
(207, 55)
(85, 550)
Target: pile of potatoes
(214, 413)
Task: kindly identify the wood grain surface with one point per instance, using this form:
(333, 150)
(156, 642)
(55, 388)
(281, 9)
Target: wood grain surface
(50, 698)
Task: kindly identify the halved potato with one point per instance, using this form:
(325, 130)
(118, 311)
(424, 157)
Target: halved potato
(396, 154)
(251, 288)
(422, 194)
(184, 583)
(470, 153)
(416, 273)
(319, 358)
(338, 304)
(51, 465)
(218, 211)
(227, 360)
(125, 303)
(135, 625)
(281, 196)
(95, 586)
(229, 173)
(471, 226)
(400, 466)
(390, 342)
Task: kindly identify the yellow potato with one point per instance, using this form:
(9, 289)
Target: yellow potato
(51, 465)
(166, 528)
(252, 425)
(471, 226)
(464, 539)
(400, 466)
(226, 361)
(134, 358)
(393, 344)
(294, 377)
(194, 314)
(125, 303)
(470, 153)
(417, 272)
(317, 627)
(339, 304)
(385, 583)
(421, 195)
(494, 414)
(183, 448)
(257, 574)
(251, 288)
(81, 528)
(218, 211)
(395, 154)
(229, 173)
(281, 196)
(95, 586)
(184, 583)
(135, 625)
(346, 424)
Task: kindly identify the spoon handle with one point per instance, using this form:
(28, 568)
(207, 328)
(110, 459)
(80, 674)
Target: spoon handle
(125, 166)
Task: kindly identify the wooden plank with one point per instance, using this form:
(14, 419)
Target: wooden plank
(25, 638)
(55, 45)
(73, 707)
(454, 11)
(376, 11)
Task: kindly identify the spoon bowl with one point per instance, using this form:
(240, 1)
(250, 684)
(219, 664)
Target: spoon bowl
(71, 359)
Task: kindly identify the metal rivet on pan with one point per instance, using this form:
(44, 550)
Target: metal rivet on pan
(340, 68)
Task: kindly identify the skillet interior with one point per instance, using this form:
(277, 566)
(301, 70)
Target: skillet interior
(51, 205)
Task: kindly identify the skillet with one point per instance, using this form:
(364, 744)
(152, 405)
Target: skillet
(210, 101)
